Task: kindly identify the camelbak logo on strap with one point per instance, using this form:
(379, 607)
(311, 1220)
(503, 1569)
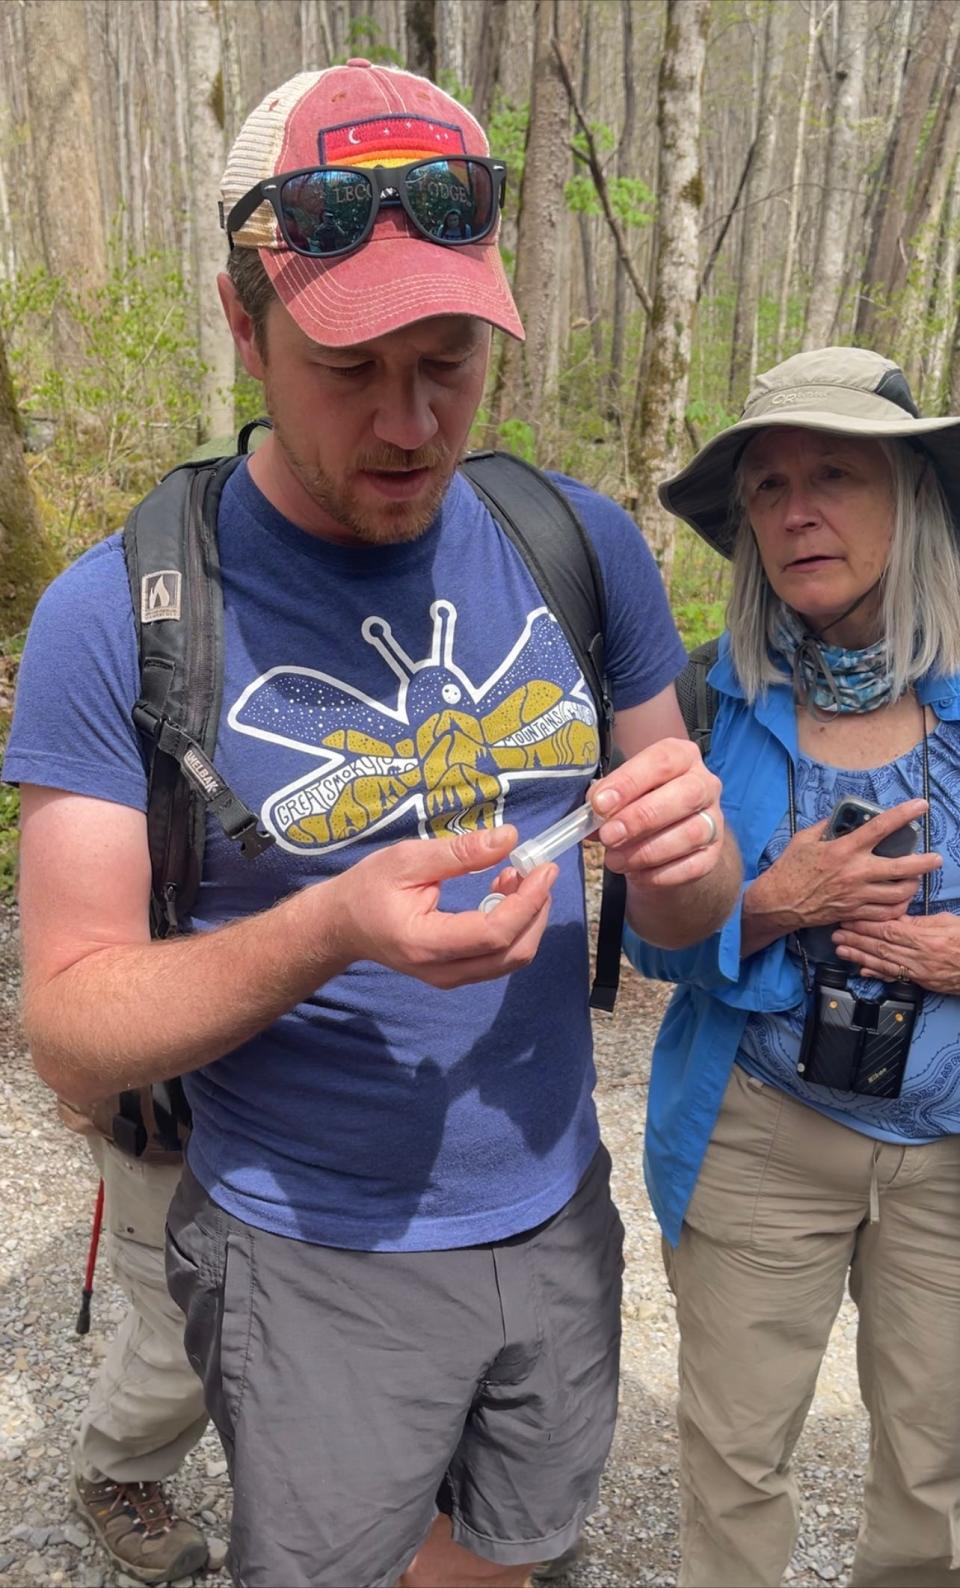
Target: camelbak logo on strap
(203, 774)
(160, 596)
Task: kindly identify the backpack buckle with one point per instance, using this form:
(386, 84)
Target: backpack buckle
(253, 839)
(147, 719)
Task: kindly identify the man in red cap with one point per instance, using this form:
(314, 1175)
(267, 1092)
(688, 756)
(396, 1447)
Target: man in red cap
(393, 1241)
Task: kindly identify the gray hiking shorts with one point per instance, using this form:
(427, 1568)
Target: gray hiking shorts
(356, 1393)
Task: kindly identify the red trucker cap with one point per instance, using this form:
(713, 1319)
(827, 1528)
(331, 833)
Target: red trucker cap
(365, 115)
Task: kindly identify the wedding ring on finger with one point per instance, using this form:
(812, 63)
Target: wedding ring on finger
(713, 831)
(902, 973)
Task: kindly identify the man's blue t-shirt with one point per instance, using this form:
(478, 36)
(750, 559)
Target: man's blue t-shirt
(370, 695)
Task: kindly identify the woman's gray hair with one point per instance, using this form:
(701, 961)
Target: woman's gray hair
(920, 614)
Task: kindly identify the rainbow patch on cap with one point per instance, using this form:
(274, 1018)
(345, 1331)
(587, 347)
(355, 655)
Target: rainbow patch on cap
(389, 140)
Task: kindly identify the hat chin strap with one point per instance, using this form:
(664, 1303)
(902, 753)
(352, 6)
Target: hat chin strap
(810, 653)
(818, 634)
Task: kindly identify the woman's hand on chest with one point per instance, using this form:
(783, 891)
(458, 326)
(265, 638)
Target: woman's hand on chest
(813, 883)
(920, 948)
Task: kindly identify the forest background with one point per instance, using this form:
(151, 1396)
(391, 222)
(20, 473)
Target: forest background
(697, 188)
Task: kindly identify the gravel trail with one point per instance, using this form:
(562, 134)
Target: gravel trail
(47, 1187)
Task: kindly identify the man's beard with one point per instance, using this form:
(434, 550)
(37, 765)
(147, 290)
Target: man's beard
(386, 523)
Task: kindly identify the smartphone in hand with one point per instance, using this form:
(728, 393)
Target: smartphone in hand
(850, 813)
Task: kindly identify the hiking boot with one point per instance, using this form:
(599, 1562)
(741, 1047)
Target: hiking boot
(550, 1571)
(139, 1529)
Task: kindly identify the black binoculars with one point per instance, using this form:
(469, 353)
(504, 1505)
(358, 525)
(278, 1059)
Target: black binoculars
(857, 1044)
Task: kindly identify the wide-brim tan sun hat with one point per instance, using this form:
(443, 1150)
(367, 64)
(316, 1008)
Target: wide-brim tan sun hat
(845, 391)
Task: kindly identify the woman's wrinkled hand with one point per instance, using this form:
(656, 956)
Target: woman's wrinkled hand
(813, 883)
(920, 948)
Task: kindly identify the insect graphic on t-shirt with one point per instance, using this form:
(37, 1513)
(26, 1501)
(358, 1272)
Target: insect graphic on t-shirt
(446, 751)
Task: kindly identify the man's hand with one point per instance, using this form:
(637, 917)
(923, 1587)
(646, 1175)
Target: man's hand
(387, 911)
(921, 948)
(107, 1009)
(662, 819)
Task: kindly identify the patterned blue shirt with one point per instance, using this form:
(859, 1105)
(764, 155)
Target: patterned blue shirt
(929, 1101)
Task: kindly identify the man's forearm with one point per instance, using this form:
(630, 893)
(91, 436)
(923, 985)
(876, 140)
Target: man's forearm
(125, 1016)
(675, 917)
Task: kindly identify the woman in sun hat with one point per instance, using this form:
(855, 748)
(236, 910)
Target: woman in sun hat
(804, 1116)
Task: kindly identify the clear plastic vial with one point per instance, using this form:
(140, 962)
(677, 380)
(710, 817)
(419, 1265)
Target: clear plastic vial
(553, 841)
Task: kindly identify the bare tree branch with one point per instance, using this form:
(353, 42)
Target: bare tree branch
(731, 212)
(600, 183)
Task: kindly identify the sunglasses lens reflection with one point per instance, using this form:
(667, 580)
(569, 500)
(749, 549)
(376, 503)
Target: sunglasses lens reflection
(453, 200)
(326, 211)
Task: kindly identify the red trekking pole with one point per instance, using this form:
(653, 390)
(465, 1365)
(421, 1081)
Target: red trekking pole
(83, 1317)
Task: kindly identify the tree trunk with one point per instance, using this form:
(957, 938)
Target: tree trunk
(584, 221)
(486, 67)
(813, 32)
(890, 66)
(231, 76)
(421, 37)
(8, 257)
(529, 370)
(925, 235)
(64, 150)
(842, 180)
(883, 274)
(953, 374)
(516, 50)
(756, 219)
(177, 73)
(944, 301)
(207, 157)
(626, 166)
(449, 20)
(27, 561)
(657, 445)
(316, 43)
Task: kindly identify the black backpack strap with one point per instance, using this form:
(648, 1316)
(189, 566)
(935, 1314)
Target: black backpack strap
(699, 700)
(613, 906)
(170, 546)
(698, 703)
(536, 516)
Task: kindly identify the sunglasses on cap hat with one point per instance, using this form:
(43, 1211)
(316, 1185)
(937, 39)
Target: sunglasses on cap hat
(326, 211)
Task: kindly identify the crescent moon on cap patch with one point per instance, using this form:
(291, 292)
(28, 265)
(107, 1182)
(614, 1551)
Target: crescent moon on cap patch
(353, 136)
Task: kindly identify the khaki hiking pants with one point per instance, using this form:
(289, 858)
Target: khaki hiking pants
(146, 1408)
(789, 1203)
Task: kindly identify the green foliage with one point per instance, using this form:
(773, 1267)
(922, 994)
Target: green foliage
(111, 380)
(631, 200)
(451, 84)
(699, 590)
(365, 37)
(116, 373)
(519, 437)
(507, 135)
(698, 620)
(248, 400)
(9, 797)
(9, 835)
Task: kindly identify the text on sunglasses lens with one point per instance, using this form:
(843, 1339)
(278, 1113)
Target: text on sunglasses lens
(452, 200)
(330, 210)
(326, 211)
